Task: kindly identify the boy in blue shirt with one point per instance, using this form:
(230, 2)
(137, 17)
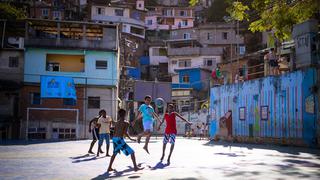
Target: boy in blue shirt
(147, 113)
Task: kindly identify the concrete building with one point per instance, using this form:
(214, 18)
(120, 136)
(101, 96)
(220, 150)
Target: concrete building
(87, 52)
(55, 9)
(130, 17)
(167, 18)
(11, 77)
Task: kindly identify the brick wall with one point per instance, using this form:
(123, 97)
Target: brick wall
(50, 103)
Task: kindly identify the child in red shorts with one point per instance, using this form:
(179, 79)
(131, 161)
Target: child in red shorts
(170, 130)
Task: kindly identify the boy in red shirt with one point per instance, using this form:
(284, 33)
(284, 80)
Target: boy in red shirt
(171, 130)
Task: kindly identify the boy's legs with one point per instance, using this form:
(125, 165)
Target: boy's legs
(95, 138)
(140, 135)
(172, 140)
(163, 151)
(101, 137)
(111, 162)
(148, 135)
(165, 141)
(91, 146)
(107, 144)
(135, 166)
(171, 150)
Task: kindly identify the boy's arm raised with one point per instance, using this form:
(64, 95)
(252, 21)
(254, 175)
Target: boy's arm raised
(179, 115)
(161, 123)
(156, 116)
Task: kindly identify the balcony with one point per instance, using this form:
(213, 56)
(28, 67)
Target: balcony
(185, 51)
(70, 34)
(70, 43)
(194, 51)
(118, 19)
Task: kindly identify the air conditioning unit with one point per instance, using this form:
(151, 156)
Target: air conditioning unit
(17, 42)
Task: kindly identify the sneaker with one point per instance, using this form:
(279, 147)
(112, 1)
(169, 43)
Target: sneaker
(90, 152)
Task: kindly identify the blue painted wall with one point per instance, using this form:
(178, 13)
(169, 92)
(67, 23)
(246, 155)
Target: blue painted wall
(134, 73)
(285, 97)
(35, 65)
(194, 77)
(144, 60)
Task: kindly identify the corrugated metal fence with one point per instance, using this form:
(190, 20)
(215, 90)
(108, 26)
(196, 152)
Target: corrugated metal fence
(276, 107)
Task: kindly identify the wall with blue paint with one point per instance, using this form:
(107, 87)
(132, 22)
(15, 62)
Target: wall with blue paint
(35, 65)
(134, 73)
(195, 78)
(144, 60)
(286, 97)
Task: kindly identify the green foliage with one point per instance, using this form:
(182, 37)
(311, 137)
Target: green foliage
(278, 16)
(10, 12)
(193, 2)
(238, 11)
(217, 11)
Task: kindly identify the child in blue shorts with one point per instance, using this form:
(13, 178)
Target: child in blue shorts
(119, 144)
(147, 113)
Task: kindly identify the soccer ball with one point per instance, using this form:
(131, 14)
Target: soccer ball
(159, 102)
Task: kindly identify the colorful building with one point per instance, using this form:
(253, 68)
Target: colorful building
(85, 52)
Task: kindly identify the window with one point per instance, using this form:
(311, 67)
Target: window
(51, 66)
(184, 23)
(174, 33)
(162, 52)
(209, 36)
(185, 78)
(186, 36)
(149, 22)
(35, 98)
(56, 14)
(100, 64)
(167, 12)
(183, 13)
(66, 133)
(224, 35)
(13, 62)
(208, 62)
(55, 3)
(69, 101)
(94, 102)
(45, 12)
(136, 30)
(118, 12)
(185, 63)
(100, 11)
(174, 62)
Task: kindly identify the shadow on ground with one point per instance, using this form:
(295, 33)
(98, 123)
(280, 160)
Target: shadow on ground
(130, 173)
(85, 158)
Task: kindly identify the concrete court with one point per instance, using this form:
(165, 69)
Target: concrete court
(191, 159)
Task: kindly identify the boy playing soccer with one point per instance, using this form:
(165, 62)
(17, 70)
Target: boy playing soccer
(171, 130)
(104, 123)
(120, 130)
(148, 114)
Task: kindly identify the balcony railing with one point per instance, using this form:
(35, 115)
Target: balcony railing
(194, 51)
(71, 43)
(185, 51)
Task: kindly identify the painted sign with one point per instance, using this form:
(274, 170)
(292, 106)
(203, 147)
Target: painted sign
(57, 87)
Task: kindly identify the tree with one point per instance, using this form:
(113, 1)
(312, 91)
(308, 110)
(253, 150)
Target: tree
(278, 16)
(11, 13)
(12, 20)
